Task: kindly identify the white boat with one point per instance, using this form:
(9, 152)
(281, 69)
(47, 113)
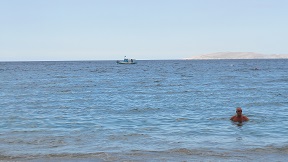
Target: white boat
(126, 61)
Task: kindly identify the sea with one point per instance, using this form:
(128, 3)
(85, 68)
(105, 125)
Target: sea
(155, 110)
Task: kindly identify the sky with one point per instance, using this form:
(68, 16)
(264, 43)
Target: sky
(50, 30)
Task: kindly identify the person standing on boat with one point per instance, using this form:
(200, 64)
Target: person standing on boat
(239, 117)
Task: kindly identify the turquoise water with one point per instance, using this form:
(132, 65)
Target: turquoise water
(176, 110)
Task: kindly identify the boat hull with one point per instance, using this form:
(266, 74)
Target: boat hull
(126, 62)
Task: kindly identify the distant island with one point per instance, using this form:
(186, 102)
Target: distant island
(238, 55)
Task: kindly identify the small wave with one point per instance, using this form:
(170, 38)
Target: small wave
(60, 76)
(201, 152)
(147, 109)
(50, 142)
(97, 157)
(185, 151)
(66, 91)
(181, 119)
(127, 136)
(218, 119)
(255, 68)
(177, 154)
(99, 71)
(272, 149)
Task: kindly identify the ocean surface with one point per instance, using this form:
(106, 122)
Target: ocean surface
(169, 110)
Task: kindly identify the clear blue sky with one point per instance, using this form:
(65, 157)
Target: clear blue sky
(141, 29)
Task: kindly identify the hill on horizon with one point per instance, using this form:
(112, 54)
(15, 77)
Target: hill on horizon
(239, 55)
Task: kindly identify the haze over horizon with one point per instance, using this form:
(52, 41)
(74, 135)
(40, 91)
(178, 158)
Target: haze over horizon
(145, 30)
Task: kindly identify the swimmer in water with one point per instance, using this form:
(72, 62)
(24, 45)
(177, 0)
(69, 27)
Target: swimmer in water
(239, 117)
